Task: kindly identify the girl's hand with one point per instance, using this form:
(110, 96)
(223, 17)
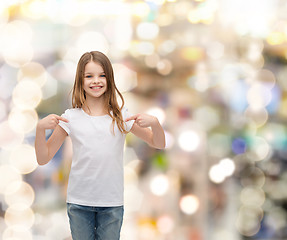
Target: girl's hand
(143, 120)
(51, 121)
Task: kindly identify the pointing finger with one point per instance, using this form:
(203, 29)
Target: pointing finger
(134, 117)
(63, 119)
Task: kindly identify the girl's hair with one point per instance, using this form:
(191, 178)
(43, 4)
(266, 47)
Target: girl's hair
(111, 104)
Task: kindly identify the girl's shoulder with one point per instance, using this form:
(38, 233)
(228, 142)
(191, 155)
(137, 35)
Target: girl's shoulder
(72, 111)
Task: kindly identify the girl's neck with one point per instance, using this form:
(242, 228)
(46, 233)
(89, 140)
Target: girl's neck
(95, 107)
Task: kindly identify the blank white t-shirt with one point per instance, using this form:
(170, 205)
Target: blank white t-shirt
(96, 176)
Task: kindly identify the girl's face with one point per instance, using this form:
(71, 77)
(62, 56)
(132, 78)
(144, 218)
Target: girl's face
(95, 82)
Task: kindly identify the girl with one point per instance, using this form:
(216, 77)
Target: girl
(97, 126)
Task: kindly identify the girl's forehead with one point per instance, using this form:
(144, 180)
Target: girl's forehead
(93, 67)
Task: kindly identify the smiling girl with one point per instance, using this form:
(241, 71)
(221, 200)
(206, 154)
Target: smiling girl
(97, 126)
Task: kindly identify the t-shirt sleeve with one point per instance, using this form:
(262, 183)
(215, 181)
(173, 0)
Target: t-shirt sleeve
(65, 125)
(127, 114)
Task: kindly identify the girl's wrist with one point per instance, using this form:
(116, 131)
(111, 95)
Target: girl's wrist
(39, 126)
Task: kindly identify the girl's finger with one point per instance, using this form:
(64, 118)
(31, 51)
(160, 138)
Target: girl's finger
(134, 117)
(62, 119)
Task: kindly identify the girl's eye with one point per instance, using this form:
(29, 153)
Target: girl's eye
(103, 75)
(89, 76)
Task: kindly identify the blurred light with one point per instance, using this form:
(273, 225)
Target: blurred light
(33, 9)
(202, 79)
(158, 2)
(258, 116)
(189, 141)
(192, 54)
(229, 81)
(203, 13)
(283, 106)
(253, 176)
(228, 166)
(17, 56)
(207, 116)
(15, 33)
(258, 96)
(144, 48)
(215, 50)
(91, 41)
(16, 233)
(63, 71)
(164, 19)
(248, 220)
(7, 82)
(15, 43)
(164, 67)
(274, 104)
(8, 137)
(4, 15)
(133, 198)
(33, 71)
(216, 174)
(254, 52)
(158, 113)
(259, 148)
(219, 145)
(275, 189)
(281, 77)
(27, 95)
(165, 224)
(223, 234)
(77, 14)
(275, 38)
(19, 193)
(252, 196)
(252, 18)
(169, 140)
(15, 216)
(130, 175)
(168, 46)
(125, 78)
(3, 111)
(140, 9)
(152, 60)
(23, 158)
(147, 230)
(159, 185)
(8, 175)
(147, 30)
(239, 145)
(123, 32)
(23, 121)
(275, 134)
(189, 204)
(276, 218)
(50, 87)
(266, 77)
(194, 16)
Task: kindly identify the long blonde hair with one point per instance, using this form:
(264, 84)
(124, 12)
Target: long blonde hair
(111, 104)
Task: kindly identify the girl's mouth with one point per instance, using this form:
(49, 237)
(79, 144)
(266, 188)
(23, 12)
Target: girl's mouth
(96, 87)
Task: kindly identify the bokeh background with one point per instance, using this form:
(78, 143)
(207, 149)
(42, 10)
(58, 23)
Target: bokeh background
(213, 72)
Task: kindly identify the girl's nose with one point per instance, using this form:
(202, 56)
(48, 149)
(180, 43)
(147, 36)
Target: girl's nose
(95, 80)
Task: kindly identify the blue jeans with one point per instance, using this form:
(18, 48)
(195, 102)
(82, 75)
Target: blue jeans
(90, 223)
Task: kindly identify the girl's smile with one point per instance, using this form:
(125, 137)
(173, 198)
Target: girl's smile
(95, 82)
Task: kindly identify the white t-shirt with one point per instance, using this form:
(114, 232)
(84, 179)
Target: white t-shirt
(96, 176)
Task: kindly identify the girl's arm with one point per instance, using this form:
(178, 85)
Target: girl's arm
(155, 136)
(45, 151)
